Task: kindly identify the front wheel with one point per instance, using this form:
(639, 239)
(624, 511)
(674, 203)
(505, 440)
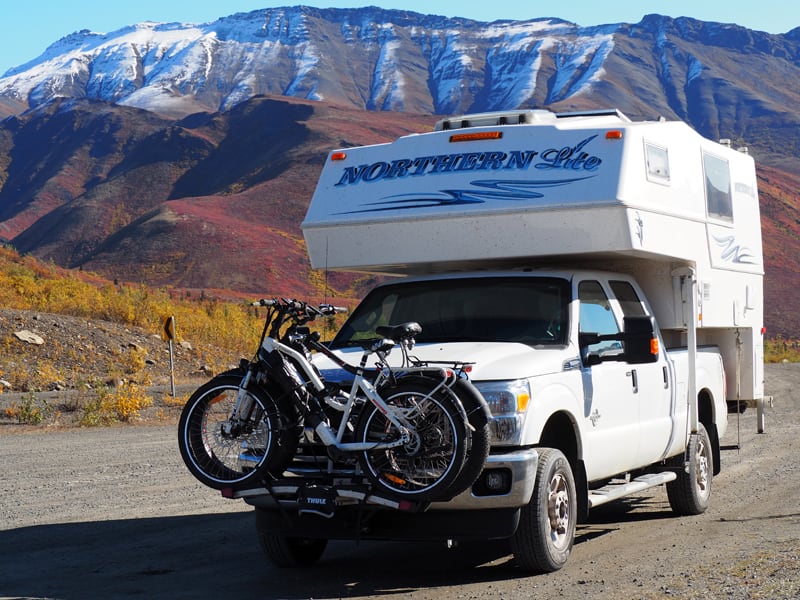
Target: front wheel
(546, 531)
(423, 468)
(221, 453)
(287, 552)
(283, 550)
(690, 493)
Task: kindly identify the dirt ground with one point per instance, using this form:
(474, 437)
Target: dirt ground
(113, 513)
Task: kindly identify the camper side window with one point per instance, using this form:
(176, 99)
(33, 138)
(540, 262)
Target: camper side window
(718, 188)
(657, 160)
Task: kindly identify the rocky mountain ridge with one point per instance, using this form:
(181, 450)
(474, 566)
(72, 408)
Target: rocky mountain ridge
(725, 80)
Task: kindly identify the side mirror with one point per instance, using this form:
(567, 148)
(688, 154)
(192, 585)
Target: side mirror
(641, 343)
(639, 339)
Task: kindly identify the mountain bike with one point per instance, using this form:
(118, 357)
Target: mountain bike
(418, 432)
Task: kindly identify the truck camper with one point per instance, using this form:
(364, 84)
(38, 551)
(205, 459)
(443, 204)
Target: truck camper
(532, 188)
(602, 276)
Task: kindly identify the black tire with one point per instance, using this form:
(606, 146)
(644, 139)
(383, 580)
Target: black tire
(423, 469)
(260, 444)
(289, 552)
(478, 438)
(690, 493)
(546, 531)
(285, 550)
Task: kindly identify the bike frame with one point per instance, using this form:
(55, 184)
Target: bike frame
(326, 433)
(330, 437)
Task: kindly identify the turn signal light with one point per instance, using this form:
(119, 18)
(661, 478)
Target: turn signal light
(614, 134)
(653, 346)
(338, 156)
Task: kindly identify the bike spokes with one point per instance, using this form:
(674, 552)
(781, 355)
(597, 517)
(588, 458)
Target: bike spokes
(423, 467)
(222, 451)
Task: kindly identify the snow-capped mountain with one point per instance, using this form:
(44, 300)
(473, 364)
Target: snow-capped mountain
(369, 58)
(380, 59)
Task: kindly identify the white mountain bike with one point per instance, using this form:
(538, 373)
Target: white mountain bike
(418, 432)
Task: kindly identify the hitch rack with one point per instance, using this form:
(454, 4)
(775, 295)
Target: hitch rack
(287, 494)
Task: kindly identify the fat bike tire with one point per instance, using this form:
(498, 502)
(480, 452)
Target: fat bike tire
(258, 445)
(478, 436)
(423, 469)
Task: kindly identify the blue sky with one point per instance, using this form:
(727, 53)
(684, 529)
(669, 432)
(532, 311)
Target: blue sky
(27, 27)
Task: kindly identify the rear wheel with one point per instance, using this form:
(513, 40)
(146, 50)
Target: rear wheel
(423, 468)
(543, 540)
(690, 493)
(221, 453)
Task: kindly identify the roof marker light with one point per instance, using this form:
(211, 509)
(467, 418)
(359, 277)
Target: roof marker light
(614, 134)
(338, 156)
(474, 137)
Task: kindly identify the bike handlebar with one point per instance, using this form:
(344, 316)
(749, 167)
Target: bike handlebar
(297, 305)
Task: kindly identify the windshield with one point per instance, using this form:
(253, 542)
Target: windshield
(529, 310)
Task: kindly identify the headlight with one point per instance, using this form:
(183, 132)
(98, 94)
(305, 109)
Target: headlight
(507, 402)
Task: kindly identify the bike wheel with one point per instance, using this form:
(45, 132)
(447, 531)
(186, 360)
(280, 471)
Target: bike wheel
(479, 417)
(423, 468)
(221, 455)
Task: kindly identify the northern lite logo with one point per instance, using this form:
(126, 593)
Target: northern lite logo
(568, 158)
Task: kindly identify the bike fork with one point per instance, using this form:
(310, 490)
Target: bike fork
(242, 406)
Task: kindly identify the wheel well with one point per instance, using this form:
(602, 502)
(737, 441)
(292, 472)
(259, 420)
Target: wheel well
(560, 432)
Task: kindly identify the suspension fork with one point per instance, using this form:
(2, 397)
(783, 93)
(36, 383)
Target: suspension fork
(242, 406)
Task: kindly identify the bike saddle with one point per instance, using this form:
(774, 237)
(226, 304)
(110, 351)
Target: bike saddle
(404, 331)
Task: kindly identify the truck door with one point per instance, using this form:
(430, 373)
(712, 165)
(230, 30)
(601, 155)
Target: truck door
(611, 410)
(653, 394)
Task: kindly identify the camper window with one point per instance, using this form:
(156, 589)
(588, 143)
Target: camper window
(657, 160)
(718, 188)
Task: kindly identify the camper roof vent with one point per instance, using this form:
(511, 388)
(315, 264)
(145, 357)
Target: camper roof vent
(603, 112)
(493, 119)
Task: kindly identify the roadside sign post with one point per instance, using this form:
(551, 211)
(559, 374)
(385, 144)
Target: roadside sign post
(168, 333)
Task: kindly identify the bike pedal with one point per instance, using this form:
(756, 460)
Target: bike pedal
(337, 403)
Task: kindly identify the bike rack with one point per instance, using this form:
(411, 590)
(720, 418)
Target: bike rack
(318, 498)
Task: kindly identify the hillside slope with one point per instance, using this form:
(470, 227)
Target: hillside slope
(210, 201)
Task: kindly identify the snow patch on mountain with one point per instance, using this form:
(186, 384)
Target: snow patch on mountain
(289, 51)
(371, 58)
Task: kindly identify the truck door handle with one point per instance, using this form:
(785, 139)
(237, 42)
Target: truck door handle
(634, 380)
(666, 377)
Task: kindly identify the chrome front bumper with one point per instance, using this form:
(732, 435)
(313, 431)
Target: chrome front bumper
(522, 465)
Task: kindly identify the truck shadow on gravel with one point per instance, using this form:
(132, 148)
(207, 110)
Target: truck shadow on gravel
(217, 555)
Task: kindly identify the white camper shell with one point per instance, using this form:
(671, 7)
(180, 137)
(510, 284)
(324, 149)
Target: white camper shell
(585, 190)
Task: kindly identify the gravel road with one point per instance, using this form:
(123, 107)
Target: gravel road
(113, 513)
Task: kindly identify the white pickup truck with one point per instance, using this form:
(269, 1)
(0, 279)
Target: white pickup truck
(604, 277)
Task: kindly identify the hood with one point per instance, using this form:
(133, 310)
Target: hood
(491, 360)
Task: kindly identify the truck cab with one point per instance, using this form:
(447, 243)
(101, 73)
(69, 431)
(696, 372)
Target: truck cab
(554, 355)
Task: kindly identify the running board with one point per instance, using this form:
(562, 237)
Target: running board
(614, 491)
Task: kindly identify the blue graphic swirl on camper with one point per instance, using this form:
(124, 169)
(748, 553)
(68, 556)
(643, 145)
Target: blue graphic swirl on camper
(484, 190)
(732, 252)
